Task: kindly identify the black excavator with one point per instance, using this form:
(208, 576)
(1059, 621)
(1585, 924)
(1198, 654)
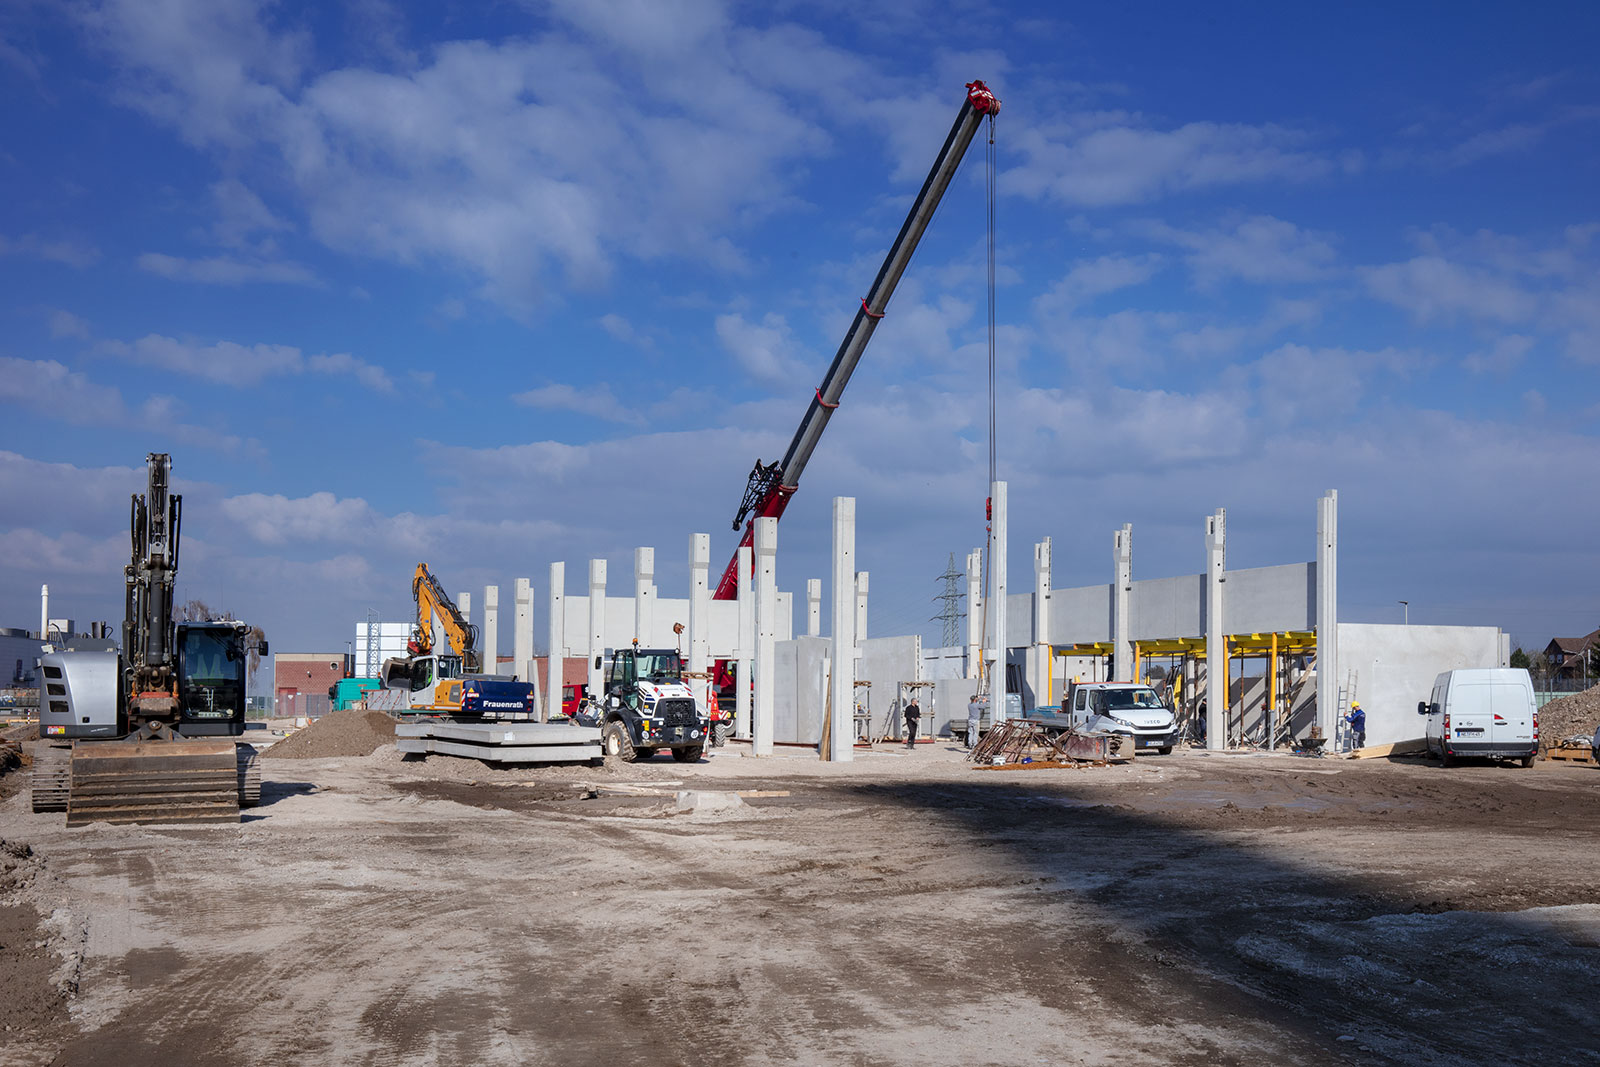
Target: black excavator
(148, 734)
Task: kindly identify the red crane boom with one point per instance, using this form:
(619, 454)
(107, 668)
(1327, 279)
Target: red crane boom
(772, 484)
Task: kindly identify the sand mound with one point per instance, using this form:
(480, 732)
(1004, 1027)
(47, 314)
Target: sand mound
(351, 732)
(1570, 716)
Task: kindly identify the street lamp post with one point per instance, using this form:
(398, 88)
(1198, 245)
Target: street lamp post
(1406, 604)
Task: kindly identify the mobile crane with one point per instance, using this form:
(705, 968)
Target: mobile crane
(771, 485)
(440, 682)
(146, 735)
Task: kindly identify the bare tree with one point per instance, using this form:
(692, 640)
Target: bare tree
(195, 611)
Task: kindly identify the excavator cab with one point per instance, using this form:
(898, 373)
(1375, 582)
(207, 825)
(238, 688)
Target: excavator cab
(212, 662)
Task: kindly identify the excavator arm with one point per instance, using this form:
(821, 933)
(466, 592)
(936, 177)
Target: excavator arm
(433, 603)
(772, 484)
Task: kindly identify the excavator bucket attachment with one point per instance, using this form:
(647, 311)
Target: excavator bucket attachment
(154, 781)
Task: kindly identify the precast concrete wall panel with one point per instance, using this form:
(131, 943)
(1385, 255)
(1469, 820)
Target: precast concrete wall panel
(1395, 666)
(724, 623)
(886, 662)
(945, 703)
(1258, 600)
(940, 663)
(1019, 619)
(1270, 599)
(1166, 608)
(1081, 615)
(800, 677)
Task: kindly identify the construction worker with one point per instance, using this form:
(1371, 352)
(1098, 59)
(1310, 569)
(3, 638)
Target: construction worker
(974, 717)
(1358, 724)
(913, 715)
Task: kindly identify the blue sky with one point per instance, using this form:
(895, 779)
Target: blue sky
(492, 285)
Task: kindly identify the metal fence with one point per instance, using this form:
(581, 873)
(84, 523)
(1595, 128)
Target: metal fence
(309, 705)
(1561, 686)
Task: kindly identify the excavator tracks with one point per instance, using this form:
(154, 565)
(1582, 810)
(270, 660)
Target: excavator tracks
(52, 769)
(185, 782)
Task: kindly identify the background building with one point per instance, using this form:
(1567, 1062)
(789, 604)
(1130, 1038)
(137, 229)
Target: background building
(300, 681)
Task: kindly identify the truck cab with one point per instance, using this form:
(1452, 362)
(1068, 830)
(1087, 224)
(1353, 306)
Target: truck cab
(648, 706)
(1128, 708)
(1482, 711)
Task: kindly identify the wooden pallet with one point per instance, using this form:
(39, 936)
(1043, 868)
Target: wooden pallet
(1571, 755)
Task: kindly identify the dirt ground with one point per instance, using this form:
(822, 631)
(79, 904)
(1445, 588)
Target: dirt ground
(899, 909)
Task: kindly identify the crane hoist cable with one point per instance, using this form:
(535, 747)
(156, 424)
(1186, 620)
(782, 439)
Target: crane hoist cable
(988, 508)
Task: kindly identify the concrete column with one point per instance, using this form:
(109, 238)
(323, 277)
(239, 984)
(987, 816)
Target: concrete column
(1216, 654)
(1122, 565)
(699, 602)
(44, 613)
(813, 607)
(861, 606)
(644, 595)
(490, 631)
(747, 643)
(1328, 614)
(997, 598)
(554, 671)
(597, 622)
(974, 612)
(842, 707)
(1040, 667)
(766, 582)
(464, 602)
(522, 632)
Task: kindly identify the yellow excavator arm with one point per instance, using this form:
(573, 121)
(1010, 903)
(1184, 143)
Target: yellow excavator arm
(434, 604)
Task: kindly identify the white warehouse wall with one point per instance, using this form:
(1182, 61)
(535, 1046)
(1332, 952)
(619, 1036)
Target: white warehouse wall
(1394, 667)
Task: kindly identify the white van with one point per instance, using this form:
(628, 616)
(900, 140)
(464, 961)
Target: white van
(1482, 711)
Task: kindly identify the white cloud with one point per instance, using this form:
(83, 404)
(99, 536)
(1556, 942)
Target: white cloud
(241, 214)
(1431, 287)
(66, 324)
(70, 253)
(225, 270)
(230, 363)
(1259, 249)
(368, 374)
(1300, 385)
(1088, 279)
(623, 330)
(1504, 355)
(766, 350)
(319, 517)
(1099, 160)
(596, 401)
(51, 390)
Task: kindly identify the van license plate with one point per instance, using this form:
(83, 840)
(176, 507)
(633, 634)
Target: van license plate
(1469, 730)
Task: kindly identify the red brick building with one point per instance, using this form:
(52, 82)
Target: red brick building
(300, 681)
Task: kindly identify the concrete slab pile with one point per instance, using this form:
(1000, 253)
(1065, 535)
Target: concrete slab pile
(500, 742)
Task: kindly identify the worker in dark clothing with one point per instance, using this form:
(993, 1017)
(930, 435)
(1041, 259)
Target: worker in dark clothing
(1358, 725)
(913, 716)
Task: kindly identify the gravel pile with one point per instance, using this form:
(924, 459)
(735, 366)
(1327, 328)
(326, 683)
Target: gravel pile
(1570, 716)
(350, 732)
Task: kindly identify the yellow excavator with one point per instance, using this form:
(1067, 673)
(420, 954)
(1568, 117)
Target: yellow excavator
(448, 680)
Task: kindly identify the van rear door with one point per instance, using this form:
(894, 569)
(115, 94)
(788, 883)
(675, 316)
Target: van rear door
(1511, 706)
(1471, 711)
